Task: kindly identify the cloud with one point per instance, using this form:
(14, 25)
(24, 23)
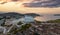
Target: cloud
(43, 3)
(36, 3)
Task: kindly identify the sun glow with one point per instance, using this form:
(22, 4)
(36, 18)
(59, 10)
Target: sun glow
(19, 7)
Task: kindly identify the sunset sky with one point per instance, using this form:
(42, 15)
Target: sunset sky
(30, 6)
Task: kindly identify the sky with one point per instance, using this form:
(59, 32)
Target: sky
(31, 6)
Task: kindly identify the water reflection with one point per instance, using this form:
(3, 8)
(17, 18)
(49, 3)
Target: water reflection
(47, 17)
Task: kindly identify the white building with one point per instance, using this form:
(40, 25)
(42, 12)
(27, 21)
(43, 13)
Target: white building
(9, 21)
(28, 19)
(3, 30)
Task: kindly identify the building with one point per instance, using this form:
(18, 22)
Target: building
(28, 19)
(3, 30)
(25, 19)
(9, 21)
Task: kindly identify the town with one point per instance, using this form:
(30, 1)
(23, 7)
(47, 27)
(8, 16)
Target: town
(13, 24)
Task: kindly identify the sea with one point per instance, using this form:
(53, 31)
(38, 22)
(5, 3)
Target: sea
(46, 17)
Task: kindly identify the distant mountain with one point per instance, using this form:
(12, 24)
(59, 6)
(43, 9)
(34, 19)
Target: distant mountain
(1, 12)
(11, 14)
(32, 14)
(14, 14)
(56, 14)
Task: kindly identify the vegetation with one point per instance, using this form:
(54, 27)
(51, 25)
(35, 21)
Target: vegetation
(26, 26)
(8, 34)
(36, 33)
(22, 28)
(1, 18)
(19, 23)
(37, 21)
(54, 21)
